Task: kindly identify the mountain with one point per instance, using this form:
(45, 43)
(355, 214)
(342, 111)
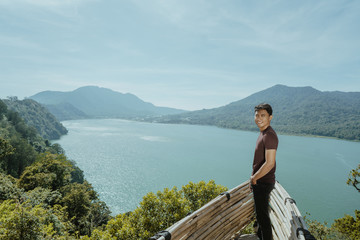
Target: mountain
(96, 102)
(37, 116)
(66, 111)
(296, 110)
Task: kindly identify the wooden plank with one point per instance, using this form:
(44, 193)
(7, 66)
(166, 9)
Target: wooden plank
(222, 218)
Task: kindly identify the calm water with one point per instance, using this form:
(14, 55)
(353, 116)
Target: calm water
(124, 160)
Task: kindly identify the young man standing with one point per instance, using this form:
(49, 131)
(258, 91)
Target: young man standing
(263, 175)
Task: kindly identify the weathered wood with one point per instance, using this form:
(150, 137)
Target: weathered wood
(222, 218)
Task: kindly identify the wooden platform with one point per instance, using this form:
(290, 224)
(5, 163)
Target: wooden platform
(231, 212)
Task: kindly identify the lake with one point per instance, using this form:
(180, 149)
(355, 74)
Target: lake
(124, 160)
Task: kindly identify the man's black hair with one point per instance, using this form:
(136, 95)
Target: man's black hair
(265, 106)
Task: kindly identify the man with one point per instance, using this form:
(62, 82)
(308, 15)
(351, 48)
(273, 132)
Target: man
(263, 175)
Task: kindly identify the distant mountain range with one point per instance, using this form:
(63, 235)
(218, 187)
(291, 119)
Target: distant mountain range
(297, 110)
(96, 102)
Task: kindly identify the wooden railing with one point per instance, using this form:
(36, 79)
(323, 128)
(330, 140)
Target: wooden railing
(225, 216)
(286, 219)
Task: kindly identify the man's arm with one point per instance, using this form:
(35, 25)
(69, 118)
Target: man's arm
(270, 156)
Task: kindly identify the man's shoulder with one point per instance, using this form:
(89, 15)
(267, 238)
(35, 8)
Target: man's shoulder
(270, 134)
(270, 130)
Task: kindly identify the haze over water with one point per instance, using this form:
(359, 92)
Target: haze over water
(124, 160)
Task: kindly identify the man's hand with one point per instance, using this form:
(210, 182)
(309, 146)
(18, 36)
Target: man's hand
(252, 180)
(266, 167)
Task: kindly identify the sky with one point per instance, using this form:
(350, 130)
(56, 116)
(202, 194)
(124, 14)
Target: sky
(186, 54)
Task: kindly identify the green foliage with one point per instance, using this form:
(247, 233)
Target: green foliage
(249, 229)
(26, 131)
(354, 178)
(46, 184)
(55, 148)
(77, 202)
(85, 210)
(5, 148)
(43, 195)
(36, 116)
(349, 225)
(3, 109)
(322, 232)
(297, 111)
(159, 211)
(8, 188)
(19, 144)
(22, 221)
(77, 175)
(23, 156)
(198, 194)
(49, 171)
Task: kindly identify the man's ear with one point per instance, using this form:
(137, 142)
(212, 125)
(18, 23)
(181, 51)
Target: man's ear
(271, 117)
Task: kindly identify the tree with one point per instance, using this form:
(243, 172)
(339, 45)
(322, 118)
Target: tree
(44, 197)
(8, 188)
(24, 221)
(159, 211)
(77, 201)
(24, 155)
(77, 175)
(5, 149)
(86, 212)
(55, 148)
(50, 171)
(200, 193)
(354, 178)
(349, 225)
(3, 109)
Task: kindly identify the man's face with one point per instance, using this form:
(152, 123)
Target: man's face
(262, 119)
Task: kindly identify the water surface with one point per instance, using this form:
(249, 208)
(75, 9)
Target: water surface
(124, 160)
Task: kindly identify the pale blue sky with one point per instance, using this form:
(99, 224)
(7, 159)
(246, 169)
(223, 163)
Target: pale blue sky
(188, 54)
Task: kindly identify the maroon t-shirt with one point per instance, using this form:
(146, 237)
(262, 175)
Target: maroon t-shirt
(266, 140)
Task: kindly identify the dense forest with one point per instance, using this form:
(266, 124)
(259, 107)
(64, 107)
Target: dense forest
(43, 195)
(37, 116)
(297, 111)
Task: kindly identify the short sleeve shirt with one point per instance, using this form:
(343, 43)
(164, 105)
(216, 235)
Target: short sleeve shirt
(267, 140)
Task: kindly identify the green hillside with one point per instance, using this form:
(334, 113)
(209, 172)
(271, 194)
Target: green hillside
(297, 110)
(43, 195)
(37, 116)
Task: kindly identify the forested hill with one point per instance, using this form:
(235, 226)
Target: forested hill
(297, 110)
(43, 194)
(37, 116)
(96, 102)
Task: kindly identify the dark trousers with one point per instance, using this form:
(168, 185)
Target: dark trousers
(261, 194)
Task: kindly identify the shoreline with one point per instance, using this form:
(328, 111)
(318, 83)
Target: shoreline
(210, 125)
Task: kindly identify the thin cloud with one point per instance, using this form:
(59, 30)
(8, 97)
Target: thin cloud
(180, 52)
(43, 3)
